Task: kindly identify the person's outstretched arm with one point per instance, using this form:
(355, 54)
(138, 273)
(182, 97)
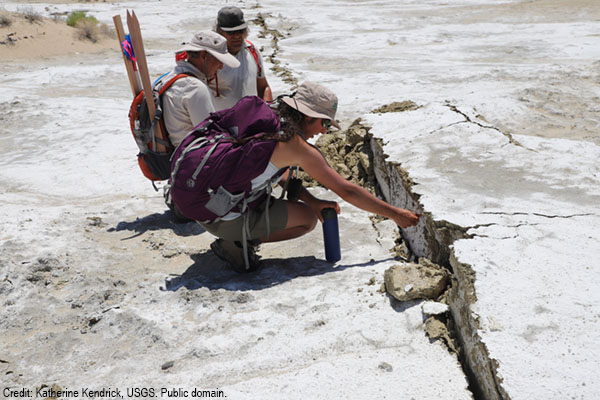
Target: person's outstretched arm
(299, 152)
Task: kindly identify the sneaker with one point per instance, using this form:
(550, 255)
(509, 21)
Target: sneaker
(233, 254)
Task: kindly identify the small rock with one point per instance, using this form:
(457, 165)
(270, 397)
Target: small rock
(167, 365)
(423, 281)
(96, 221)
(385, 367)
(242, 298)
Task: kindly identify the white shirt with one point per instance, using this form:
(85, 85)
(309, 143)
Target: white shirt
(235, 83)
(187, 102)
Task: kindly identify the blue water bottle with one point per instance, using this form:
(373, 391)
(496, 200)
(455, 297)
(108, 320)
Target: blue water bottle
(331, 235)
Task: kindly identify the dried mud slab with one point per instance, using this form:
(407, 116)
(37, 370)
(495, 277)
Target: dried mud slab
(407, 282)
(397, 106)
(349, 153)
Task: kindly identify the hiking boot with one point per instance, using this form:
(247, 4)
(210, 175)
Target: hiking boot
(177, 216)
(233, 254)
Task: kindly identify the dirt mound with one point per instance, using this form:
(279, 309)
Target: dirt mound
(30, 36)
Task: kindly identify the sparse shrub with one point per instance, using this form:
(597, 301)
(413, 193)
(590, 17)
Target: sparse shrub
(80, 16)
(107, 31)
(87, 29)
(5, 20)
(31, 15)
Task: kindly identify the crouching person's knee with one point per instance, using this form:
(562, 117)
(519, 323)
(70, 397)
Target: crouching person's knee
(308, 217)
(312, 222)
(301, 215)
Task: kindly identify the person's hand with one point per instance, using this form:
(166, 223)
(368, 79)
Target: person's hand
(404, 218)
(318, 205)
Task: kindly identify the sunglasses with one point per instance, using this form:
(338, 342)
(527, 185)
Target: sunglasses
(325, 123)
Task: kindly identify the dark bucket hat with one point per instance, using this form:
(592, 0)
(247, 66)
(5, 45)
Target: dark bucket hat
(231, 19)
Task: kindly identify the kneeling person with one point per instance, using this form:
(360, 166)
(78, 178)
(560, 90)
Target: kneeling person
(189, 100)
(224, 184)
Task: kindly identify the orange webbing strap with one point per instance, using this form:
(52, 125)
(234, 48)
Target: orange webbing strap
(161, 121)
(252, 51)
(170, 82)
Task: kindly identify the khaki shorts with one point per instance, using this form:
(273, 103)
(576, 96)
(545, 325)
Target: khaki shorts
(257, 223)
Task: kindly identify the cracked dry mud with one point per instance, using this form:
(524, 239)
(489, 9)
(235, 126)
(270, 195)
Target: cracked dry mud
(89, 305)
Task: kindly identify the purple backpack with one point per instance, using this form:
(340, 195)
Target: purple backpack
(211, 175)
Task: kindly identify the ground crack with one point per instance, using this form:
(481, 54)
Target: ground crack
(538, 214)
(468, 119)
(498, 224)
(284, 73)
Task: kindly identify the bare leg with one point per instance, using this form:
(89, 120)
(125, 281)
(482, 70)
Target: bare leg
(301, 220)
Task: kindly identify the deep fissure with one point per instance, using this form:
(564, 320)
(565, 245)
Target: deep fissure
(431, 242)
(363, 161)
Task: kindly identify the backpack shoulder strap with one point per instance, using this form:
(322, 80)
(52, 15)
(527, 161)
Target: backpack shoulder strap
(158, 117)
(252, 51)
(170, 82)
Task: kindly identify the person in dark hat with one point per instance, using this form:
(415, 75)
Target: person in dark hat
(249, 79)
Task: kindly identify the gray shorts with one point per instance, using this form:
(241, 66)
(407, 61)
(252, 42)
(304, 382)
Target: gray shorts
(257, 223)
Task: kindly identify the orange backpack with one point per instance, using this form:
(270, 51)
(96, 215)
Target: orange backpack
(155, 165)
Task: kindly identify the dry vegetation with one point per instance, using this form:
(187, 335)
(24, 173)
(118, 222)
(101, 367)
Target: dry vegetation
(31, 15)
(5, 19)
(28, 33)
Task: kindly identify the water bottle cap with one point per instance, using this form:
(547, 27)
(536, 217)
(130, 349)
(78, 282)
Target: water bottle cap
(329, 213)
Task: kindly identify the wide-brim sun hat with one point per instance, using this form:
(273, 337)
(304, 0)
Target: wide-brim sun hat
(315, 101)
(231, 19)
(214, 43)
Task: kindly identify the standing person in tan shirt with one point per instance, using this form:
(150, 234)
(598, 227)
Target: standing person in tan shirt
(249, 79)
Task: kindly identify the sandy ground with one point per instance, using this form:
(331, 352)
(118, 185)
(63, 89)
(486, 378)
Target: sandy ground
(23, 40)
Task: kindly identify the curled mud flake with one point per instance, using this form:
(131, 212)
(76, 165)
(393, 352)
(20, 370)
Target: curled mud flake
(349, 153)
(436, 329)
(431, 308)
(397, 106)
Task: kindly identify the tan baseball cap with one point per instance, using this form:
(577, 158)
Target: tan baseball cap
(315, 101)
(214, 43)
